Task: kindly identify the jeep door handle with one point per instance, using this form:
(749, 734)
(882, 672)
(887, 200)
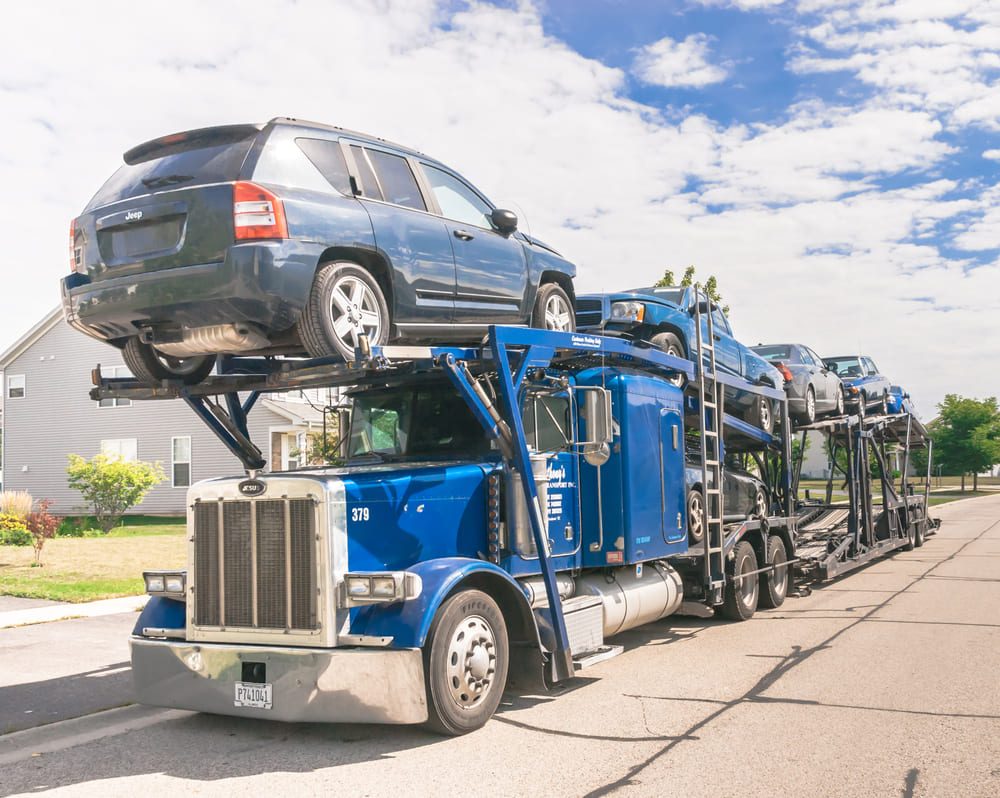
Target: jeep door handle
(465, 235)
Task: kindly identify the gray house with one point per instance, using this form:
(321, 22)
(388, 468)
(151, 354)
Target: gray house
(47, 414)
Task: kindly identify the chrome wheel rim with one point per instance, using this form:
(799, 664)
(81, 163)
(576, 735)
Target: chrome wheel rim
(557, 314)
(810, 406)
(840, 402)
(748, 583)
(696, 519)
(765, 414)
(760, 504)
(678, 379)
(354, 311)
(472, 662)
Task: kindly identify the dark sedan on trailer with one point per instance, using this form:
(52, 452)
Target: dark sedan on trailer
(665, 317)
(812, 388)
(744, 495)
(865, 388)
(295, 238)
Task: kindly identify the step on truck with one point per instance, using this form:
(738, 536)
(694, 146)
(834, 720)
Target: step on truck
(502, 513)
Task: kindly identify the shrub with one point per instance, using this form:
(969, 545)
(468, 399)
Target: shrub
(42, 526)
(15, 502)
(13, 532)
(72, 526)
(112, 485)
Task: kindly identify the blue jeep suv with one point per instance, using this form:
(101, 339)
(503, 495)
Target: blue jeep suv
(296, 238)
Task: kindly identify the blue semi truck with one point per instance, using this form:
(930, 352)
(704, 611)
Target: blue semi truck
(503, 512)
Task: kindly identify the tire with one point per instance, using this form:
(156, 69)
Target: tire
(740, 602)
(671, 345)
(760, 505)
(884, 407)
(809, 416)
(553, 309)
(918, 533)
(696, 510)
(345, 301)
(841, 406)
(862, 406)
(761, 414)
(911, 538)
(466, 657)
(151, 367)
(774, 586)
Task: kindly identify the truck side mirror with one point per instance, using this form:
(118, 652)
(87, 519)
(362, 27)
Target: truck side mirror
(596, 412)
(504, 221)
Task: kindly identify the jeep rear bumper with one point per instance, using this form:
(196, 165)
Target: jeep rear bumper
(262, 283)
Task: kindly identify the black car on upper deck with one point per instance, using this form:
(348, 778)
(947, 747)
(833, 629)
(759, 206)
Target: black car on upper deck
(296, 238)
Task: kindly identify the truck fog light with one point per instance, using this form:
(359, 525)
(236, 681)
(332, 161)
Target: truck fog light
(383, 587)
(359, 586)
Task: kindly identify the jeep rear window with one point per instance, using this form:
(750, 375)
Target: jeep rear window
(219, 163)
(327, 156)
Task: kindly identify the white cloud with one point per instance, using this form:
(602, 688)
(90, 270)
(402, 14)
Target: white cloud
(669, 62)
(787, 214)
(937, 55)
(993, 155)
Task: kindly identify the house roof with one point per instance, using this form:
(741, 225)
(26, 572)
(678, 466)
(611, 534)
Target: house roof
(17, 348)
(296, 412)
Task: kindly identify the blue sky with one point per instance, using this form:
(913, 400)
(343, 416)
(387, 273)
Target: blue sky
(834, 162)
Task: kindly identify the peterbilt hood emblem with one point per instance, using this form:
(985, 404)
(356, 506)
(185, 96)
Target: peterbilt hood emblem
(252, 487)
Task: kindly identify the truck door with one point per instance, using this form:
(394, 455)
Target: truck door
(672, 487)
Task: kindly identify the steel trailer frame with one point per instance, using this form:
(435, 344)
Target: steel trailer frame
(835, 538)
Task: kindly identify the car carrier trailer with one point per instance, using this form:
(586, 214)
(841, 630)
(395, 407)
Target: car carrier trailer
(404, 590)
(879, 516)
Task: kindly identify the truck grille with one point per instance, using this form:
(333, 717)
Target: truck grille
(255, 564)
(589, 312)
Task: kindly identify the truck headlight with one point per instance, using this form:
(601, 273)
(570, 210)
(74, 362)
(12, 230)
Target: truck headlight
(380, 587)
(627, 311)
(165, 583)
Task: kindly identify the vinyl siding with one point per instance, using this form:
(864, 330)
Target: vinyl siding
(56, 417)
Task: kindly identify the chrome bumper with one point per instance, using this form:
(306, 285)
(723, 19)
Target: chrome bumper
(347, 685)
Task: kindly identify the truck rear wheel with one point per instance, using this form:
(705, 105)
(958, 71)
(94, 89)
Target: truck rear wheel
(774, 584)
(741, 594)
(465, 663)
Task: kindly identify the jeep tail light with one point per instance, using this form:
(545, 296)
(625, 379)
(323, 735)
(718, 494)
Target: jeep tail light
(785, 371)
(257, 213)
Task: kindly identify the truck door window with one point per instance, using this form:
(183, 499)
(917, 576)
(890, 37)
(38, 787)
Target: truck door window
(546, 420)
(396, 179)
(719, 321)
(456, 200)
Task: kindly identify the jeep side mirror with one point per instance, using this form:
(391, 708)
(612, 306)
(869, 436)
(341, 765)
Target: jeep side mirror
(504, 221)
(596, 411)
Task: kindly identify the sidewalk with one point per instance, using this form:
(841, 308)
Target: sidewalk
(61, 611)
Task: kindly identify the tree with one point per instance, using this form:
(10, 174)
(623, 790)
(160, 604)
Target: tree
(966, 436)
(711, 286)
(42, 526)
(112, 485)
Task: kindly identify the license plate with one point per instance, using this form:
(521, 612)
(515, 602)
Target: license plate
(248, 694)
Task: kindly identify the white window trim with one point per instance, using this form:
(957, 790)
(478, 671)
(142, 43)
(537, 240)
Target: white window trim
(118, 441)
(189, 462)
(112, 371)
(24, 386)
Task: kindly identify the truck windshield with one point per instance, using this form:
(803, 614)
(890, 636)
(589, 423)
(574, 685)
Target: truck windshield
(424, 421)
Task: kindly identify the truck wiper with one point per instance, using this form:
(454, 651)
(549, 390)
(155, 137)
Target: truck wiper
(165, 180)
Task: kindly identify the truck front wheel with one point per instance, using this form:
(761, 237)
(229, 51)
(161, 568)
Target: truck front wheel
(465, 663)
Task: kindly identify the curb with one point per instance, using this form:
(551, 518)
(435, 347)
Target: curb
(62, 612)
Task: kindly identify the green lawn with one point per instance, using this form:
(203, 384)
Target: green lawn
(88, 569)
(945, 496)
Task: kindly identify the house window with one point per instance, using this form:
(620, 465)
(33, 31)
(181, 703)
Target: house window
(115, 371)
(15, 386)
(180, 459)
(121, 448)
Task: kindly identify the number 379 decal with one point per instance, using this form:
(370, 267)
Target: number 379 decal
(360, 514)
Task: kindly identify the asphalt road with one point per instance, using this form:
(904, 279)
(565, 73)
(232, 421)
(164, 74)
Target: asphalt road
(884, 683)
